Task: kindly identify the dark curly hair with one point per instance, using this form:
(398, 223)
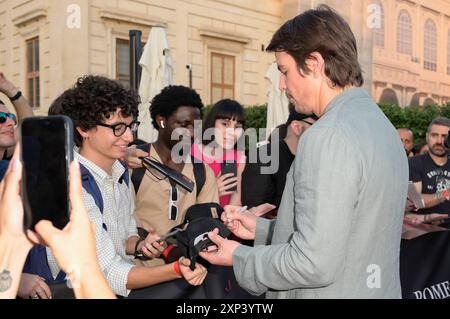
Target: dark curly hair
(170, 99)
(56, 106)
(92, 100)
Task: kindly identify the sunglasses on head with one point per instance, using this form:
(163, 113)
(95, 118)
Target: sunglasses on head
(4, 116)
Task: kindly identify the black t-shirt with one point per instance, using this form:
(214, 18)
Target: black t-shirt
(258, 188)
(423, 169)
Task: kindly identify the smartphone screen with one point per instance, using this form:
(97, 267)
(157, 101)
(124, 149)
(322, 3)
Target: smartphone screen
(227, 168)
(47, 151)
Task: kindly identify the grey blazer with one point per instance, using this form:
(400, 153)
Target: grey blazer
(337, 234)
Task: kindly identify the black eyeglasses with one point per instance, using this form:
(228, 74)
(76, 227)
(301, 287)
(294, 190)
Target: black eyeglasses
(173, 209)
(120, 128)
(4, 117)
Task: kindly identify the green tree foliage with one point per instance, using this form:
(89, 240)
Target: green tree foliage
(417, 118)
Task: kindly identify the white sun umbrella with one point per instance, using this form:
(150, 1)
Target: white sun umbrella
(277, 101)
(156, 74)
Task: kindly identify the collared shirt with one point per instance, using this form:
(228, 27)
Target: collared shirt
(118, 209)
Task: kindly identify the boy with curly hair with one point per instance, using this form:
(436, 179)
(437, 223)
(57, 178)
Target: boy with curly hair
(104, 115)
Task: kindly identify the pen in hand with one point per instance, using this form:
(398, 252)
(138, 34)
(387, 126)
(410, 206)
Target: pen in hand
(241, 210)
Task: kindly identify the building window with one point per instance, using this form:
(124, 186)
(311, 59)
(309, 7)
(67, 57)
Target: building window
(378, 33)
(389, 96)
(222, 77)
(430, 46)
(448, 52)
(33, 86)
(123, 62)
(404, 33)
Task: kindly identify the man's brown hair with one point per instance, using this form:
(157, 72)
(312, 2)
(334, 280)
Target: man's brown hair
(321, 30)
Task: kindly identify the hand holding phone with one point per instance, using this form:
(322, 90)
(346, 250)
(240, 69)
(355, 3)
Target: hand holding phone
(47, 151)
(229, 168)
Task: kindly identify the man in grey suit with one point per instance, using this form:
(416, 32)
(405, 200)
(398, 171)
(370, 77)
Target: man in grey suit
(339, 223)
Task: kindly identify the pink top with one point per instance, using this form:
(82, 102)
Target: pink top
(216, 164)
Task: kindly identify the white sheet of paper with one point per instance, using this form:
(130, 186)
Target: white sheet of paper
(414, 196)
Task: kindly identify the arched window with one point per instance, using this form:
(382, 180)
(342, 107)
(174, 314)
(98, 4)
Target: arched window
(378, 33)
(430, 46)
(415, 100)
(428, 102)
(404, 33)
(389, 96)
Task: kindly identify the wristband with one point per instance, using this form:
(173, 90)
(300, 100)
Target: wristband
(16, 97)
(176, 267)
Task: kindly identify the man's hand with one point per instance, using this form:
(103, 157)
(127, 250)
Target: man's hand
(243, 224)
(7, 87)
(151, 246)
(33, 287)
(193, 277)
(132, 158)
(222, 253)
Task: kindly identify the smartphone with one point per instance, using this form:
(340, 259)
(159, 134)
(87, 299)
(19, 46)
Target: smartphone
(228, 167)
(46, 153)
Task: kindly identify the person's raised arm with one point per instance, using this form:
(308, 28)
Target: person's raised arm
(20, 103)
